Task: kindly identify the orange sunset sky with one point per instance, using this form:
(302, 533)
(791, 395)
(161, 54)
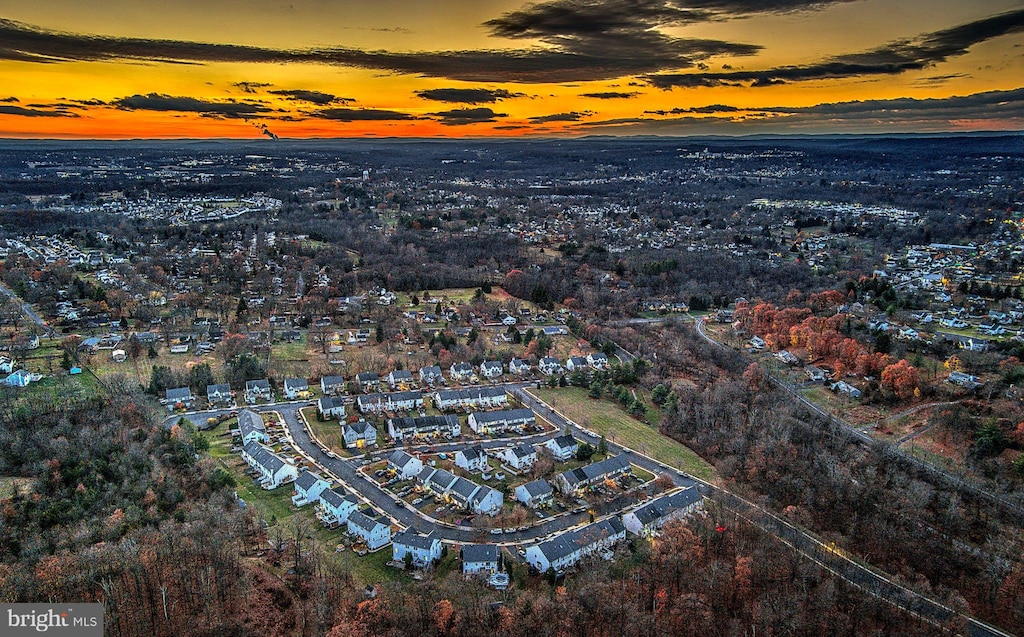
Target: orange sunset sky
(461, 68)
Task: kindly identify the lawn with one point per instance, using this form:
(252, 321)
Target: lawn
(290, 359)
(329, 432)
(610, 419)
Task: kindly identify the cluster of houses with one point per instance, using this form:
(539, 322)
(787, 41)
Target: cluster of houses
(455, 490)
(566, 549)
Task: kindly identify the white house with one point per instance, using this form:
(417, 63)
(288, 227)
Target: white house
(182, 395)
(566, 549)
(424, 549)
(405, 465)
(492, 422)
(563, 447)
(598, 360)
(460, 372)
(308, 487)
(332, 385)
(400, 379)
(331, 407)
(256, 390)
(219, 394)
(470, 398)
(520, 457)
(471, 458)
(964, 380)
(396, 401)
(576, 479)
(431, 374)
(461, 492)
(296, 388)
(335, 506)
(410, 427)
(491, 369)
(273, 471)
(534, 494)
(251, 427)
(437, 481)
(487, 501)
(358, 435)
(550, 365)
(518, 366)
(655, 513)
(374, 532)
(576, 364)
(368, 381)
(480, 559)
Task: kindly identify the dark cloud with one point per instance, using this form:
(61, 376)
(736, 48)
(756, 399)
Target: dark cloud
(894, 58)
(9, 99)
(511, 127)
(361, 115)
(464, 116)
(610, 95)
(572, 116)
(703, 110)
(313, 97)
(158, 102)
(33, 112)
(467, 95)
(250, 87)
(632, 50)
(92, 102)
(935, 80)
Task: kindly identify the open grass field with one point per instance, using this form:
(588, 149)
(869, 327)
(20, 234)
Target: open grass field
(609, 419)
(329, 432)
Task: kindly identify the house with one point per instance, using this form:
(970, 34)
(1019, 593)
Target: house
(400, 379)
(494, 422)
(654, 514)
(816, 374)
(964, 380)
(566, 549)
(788, 357)
(330, 407)
(22, 378)
(577, 479)
(480, 559)
(404, 465)
(219, 394)
(256, 390)
(374, 532)
(471, 458)
(396, 401)
(437, 481)
(119, 356)
(332, 385)
(518, 366)
(563, 447)
(461, 492)
(487, 501)
(550, 365)
(491, 369)
(757, 343)
(308, 487)
(6, 365)
(423, 550)
(461, 372)
(368, 381)
(410, 427)
(178, 396)
(251, 427)
(598, 360)
(534, 494)
(509, 320)
(844, 387)
(520, 457)
(470, 398)
(576, 364)
(272, 469)
(357, 435)
(335, 506)
(431, 375)
(296, 388)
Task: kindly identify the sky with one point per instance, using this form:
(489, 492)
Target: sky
(123, 69)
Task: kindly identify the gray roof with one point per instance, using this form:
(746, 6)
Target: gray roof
(330, 402)
(336, 497)
(249, 421)
(262, 383)
(178, 393)
(361, 427)
(480, 552)
(482, 493)
(431, 370)
(442, 479)
(473, 393)
(421, 423)
(367, 377)
(464, 488)
(296, 384)
(328, 381)
(513, 415)
(492, 365)
(264, 457)
(400, 458)
(411, 538)
(462, 368)
(307, 479)
(401, 374)
(523, 451)
(571, 541)
(595, 470)
(666, 505)
(363, 521)
(537, 487)
(221, 388)
(565, 442)
(425, 473)
(472, 453)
